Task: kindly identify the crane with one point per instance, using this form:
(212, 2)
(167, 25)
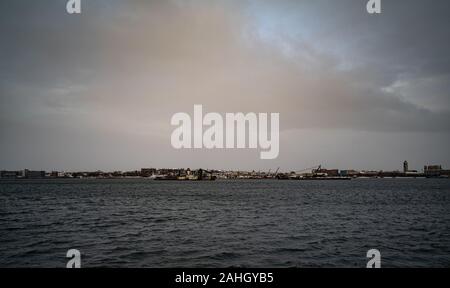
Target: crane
(313, 169)
(276, 172)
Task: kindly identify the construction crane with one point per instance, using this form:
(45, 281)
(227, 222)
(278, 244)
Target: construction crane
(313, 169)
(276, 172)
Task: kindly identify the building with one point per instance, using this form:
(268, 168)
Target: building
(405, 167)
(349, 173)
(148, 172)
(332, 172)
(34, 174)
(435, 171)
(370, 174)
(326, 172)
(10, 174)
(432, 170)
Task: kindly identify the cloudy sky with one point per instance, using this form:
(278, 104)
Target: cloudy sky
(98, 90)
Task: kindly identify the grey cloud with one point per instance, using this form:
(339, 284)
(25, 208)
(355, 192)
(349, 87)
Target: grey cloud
(124, 67)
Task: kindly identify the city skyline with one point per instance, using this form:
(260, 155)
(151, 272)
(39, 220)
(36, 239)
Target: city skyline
(405, 169)
(97, 90)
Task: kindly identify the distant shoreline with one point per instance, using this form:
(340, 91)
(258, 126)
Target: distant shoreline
(221, 180)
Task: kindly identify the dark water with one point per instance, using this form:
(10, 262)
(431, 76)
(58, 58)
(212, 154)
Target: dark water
(142, 223)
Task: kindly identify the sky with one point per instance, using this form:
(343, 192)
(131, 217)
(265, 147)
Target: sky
(97, 91)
